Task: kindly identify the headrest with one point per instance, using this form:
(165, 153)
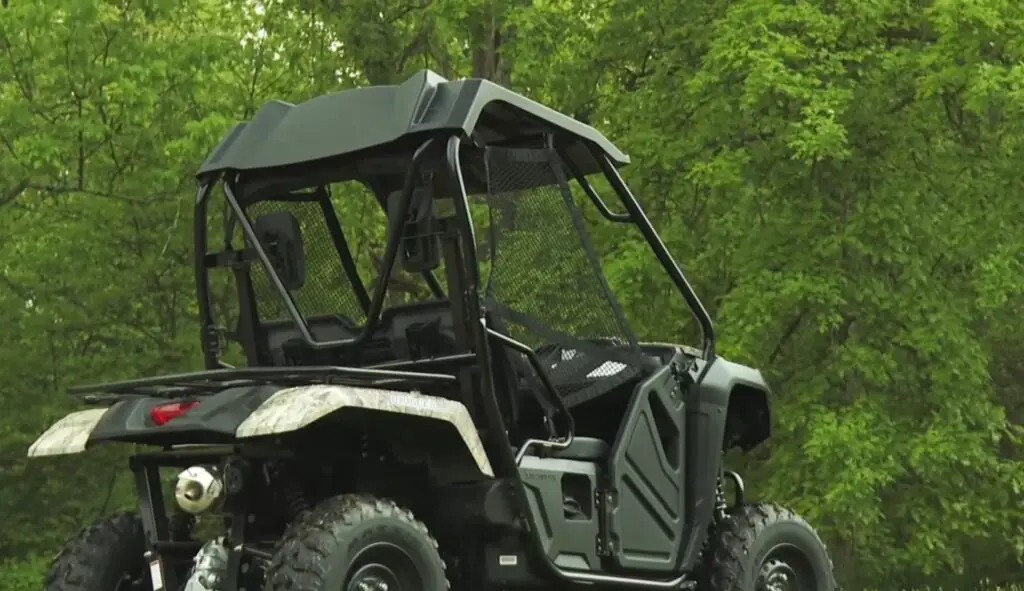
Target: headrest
(280, 235)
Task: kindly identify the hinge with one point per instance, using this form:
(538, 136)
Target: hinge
(602, 507)
(683, 379)
(681, 370)
(213, 340)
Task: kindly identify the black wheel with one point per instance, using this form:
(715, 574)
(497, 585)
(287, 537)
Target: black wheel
(767, 548)
(357, 543)
(106, 556)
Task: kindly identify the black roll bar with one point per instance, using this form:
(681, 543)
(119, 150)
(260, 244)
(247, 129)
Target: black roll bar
(348, 262)
(210, 336)
(606, 212)
(636, 213)
(549, 388)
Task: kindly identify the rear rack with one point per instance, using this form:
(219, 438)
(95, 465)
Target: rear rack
(208, 381)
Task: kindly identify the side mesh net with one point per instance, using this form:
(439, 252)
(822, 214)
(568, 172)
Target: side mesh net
(327, 290)
(545, 286)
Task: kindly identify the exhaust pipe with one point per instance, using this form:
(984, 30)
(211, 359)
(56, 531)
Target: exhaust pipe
(199, 489)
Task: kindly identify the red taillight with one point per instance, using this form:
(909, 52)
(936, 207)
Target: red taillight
(164, 413)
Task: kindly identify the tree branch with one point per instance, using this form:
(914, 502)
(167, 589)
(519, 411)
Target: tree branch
(787, 335)
(14, 192)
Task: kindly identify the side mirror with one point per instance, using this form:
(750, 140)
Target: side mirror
(420, 248)
(280, 234)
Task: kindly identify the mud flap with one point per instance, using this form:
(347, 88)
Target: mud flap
(291, 409)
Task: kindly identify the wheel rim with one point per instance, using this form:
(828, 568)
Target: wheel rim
(785, 568)
(383, 567)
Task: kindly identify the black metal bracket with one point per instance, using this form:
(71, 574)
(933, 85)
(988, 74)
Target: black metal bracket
(153, 513)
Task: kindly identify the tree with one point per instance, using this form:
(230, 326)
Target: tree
(846, 177)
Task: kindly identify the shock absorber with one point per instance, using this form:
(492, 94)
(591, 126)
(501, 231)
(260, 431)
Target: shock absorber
(282, 479)
(721, 504)
(719, 515)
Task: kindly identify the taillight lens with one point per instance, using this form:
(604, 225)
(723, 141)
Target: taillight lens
(165, 413)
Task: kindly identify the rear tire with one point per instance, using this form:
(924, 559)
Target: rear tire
(106, 556)
(357, 543)
(765, 547)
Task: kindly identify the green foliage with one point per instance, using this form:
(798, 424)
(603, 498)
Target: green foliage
(23, 575)
(839, 179)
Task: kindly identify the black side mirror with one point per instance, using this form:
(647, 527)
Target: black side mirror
(420, 249)
(280, 234)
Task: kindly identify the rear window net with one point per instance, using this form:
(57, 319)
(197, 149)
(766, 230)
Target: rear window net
(327, 289)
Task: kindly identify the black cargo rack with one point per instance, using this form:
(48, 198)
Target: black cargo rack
(200, 382)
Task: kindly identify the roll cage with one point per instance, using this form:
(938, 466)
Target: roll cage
(450, 125)
(443, 153)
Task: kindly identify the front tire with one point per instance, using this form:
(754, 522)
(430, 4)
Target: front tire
(106, 556)
(763, 547)
(357, 543)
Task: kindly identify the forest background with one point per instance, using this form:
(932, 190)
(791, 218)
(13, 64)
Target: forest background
(841, 179)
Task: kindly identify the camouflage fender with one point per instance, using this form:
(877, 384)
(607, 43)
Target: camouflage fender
(291, 409)
(69, 435)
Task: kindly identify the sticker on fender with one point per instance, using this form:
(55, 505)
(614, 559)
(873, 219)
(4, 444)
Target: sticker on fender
(156, 575)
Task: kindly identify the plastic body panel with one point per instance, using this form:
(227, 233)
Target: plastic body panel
(214, 420)
(291, 409)
(281, 134)
(69, 435)
(658, 496)
(646, 513)
(240, 413)
(569, 543)
(711, 387)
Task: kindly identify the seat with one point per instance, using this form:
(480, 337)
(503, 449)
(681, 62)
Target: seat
(586, 449)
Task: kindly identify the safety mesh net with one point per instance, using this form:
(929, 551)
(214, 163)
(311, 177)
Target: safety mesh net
(545, 283)
(327, 290)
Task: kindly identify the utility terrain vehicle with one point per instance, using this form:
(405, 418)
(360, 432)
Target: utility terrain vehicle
(500, 433)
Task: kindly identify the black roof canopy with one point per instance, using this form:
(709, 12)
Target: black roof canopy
(288, 141)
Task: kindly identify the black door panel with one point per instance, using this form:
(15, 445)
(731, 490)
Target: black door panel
(645, 511)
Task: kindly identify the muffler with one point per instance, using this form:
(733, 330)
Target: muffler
(199, 489)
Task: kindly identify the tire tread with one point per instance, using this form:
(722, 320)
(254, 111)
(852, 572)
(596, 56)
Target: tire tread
(90, 557)
(302, 558)
(726, 568)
